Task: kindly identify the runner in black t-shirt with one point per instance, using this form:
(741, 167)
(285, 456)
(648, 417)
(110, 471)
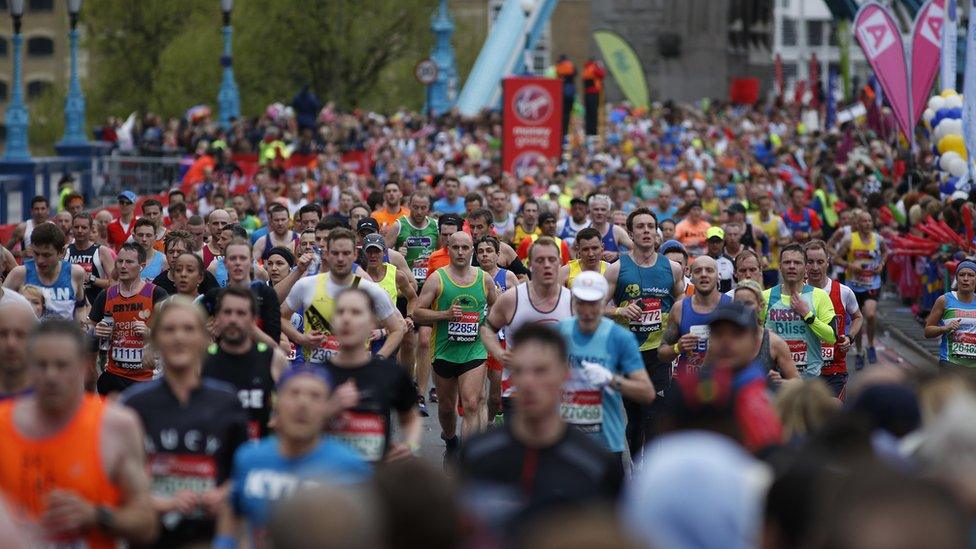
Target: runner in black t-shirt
(251, 367)
(369, 387)
(535, 462)
(193, 427)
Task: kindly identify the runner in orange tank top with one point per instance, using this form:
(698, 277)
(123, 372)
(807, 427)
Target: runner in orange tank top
(71, 465)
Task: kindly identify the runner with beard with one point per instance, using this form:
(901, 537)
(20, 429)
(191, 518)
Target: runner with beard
(686, 334)
(193, 427)
(644, 285)
(250, 366)
(369, 388)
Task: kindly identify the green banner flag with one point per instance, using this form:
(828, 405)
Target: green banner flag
(624, 65)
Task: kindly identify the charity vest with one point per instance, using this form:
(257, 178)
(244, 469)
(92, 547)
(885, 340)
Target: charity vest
(575, 269)
(697, 324)
(385, 218)
(835, 360)
(868, 256)
(959, 347)
(318, 318)
(520, 233)
(803, 343)
(457, 340)
(59, 297)
(388, 283)
(650, 287)
(828, 200)
(127, 347)
(419, 243)
(70, 459)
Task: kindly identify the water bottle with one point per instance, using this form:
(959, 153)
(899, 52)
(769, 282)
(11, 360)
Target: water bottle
(106, 342)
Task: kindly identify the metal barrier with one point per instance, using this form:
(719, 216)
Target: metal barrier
(98, 178)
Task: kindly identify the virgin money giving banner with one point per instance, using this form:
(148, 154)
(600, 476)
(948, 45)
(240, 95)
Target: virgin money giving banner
(532, 119)
(926, 49)
(878, 36)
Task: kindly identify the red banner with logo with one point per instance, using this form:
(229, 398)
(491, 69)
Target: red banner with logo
(532, 122)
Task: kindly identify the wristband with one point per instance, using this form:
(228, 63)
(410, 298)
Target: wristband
(223, 541)
(810, 318)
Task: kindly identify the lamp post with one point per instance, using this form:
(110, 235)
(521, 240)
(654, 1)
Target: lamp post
(74, 104)
(443, 92)
(228, 99)
(16, 115)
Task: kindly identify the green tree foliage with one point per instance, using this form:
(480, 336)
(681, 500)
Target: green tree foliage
(163, 55)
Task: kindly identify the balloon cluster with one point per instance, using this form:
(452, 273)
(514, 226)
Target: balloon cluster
(943, 117)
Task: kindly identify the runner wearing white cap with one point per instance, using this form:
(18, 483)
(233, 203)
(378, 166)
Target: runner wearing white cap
(605, 364)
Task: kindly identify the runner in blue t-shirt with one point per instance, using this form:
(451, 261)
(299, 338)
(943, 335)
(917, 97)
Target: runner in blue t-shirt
(298, 456)
(605, 365)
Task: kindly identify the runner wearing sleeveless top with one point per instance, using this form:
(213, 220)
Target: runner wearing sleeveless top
(487, 250)
(686, 334)
(71, 464)
(61, 282)
(454, 300)
(95, 259)
(541, 300)
(589, 251)
(615, 239)
(395, 282)
(644, 285)
(863, 255)
(953, 319)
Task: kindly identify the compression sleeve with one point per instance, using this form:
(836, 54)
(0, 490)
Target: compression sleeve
(518, 268)
(824, 311)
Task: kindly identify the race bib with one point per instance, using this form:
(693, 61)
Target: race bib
(173, 473)
(464, 330)
(325, 351)
(292, 352)
(650, 317)
(963, 342)
(363, 432)
(127, 357)
(827, 352)
(584, 409)
(798, 349)
(867, 273)
(420, 269)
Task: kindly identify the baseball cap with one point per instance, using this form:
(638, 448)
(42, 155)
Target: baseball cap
(374, 240)
(546, 216)
(672, 246)
(554, 189)
(736, 313)
(128, 195)
(368, 223)
(715, 232)
(590, 286)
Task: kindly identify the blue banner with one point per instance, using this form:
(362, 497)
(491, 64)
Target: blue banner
(949, 36)
(969, 89)
(831, 116)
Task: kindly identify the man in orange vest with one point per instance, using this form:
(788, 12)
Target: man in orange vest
(71, 463)
(593, 75)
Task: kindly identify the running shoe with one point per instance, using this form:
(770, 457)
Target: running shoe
(499, 420)
(422, 406)
(872, 356)
(451, 447)
(858, 362)
(433, 395)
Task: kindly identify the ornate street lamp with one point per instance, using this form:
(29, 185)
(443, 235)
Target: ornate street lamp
(16, 115)
(228, 99)
(74, 104)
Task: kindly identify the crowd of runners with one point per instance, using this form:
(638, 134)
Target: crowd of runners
(646, 344)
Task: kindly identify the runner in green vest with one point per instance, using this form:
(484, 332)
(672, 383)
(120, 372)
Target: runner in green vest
(454, 300)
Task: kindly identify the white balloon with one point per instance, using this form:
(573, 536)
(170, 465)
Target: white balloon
(939, 132)
(955, 126)
(927, 115)
(957, 167)
(946, 159)
(936, 102)
(953, 102)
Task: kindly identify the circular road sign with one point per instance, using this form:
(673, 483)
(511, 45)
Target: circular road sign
(426, 71)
